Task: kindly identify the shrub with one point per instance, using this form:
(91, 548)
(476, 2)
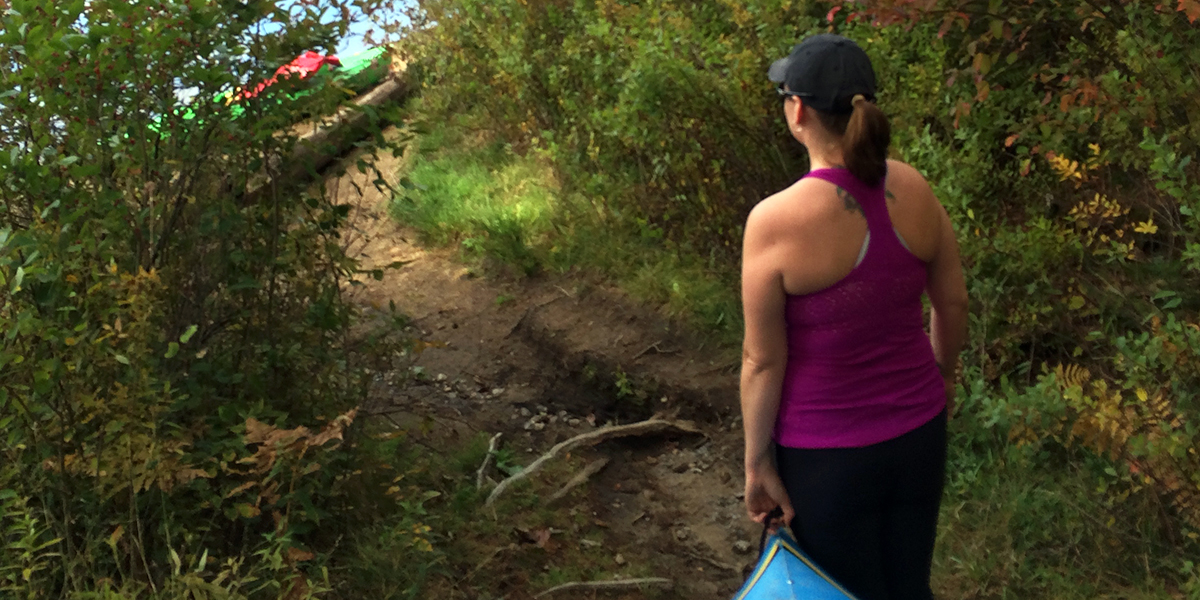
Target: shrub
(172, 313)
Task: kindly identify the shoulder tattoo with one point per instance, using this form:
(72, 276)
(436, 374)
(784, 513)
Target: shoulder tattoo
(849, 202)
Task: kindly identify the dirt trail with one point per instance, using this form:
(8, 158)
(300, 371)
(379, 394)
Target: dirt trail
(547, 358)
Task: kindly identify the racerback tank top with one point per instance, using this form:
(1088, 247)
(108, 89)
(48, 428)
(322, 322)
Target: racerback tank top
(860, 366)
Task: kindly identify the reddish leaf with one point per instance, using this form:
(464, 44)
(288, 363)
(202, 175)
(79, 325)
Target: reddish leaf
(1011, 139)
(1191, 8)
(832, 12)
(947, 21)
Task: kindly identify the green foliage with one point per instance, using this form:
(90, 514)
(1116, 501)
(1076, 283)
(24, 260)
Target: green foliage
(1063, 153)
(514, 211)
(172, 313)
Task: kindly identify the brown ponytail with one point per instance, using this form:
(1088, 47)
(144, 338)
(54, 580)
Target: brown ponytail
(866, 136)
(865, 145)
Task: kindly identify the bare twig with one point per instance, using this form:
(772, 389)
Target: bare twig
(653, 346)
(616, 584)
(647, 427)
(712, 561)
(580, 479)
(487, 461)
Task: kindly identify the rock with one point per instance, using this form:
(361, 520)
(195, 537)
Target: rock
(529, 425)
(441, 377)
(574, 422)
(539, 426)
(681, 534)
(741, 547)
(552, 419)
(620, 560)
(497, 392)
(525, 412)
(680, 468)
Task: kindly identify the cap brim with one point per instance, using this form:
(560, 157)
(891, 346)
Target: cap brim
(779, 69)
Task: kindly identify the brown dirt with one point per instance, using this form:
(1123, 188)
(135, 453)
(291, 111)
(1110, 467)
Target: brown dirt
(572, 354)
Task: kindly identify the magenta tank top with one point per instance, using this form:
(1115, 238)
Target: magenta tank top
(860, 366)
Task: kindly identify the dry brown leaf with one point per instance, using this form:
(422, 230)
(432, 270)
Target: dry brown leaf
(295, 555)
(239, 489)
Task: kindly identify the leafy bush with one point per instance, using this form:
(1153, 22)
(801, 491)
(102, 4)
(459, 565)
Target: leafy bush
(1063, 154)
(172, 308)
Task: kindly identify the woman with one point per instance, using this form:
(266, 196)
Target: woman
(837, 368)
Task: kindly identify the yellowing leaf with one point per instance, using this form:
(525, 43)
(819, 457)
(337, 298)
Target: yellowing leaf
(1075, 303)
(1146, 227)
(116, 536)
(1142, 395)
(248, 511)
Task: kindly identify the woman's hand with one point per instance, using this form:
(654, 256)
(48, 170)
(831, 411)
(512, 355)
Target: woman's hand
(764, 493)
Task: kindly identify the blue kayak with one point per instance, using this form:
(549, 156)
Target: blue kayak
(785, 573)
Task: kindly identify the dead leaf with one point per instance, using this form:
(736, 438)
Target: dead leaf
(541, 537)
(295, 555)
(239, 489)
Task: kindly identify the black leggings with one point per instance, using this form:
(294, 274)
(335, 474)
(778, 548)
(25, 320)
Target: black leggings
(868, 516)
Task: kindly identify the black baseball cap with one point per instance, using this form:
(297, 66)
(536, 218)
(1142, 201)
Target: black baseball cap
(827, 71)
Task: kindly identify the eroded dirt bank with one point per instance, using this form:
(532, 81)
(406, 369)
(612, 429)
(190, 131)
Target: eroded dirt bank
(541, 360)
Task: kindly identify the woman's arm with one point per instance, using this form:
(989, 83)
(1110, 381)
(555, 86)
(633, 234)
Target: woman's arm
(947, 291)
(764, 358)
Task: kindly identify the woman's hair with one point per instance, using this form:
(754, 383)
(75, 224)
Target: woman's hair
(866, 136)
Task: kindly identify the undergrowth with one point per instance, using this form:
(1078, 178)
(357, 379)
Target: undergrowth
(446, 544)
(1020, 519)
(502, 208)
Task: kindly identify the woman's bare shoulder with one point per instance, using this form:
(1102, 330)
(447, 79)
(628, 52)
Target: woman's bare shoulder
(904, 173)
(791, 210)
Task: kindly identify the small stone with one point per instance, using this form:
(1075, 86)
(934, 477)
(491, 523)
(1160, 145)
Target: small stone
(539, 426)
(620, 560)
(496, 392)
(574, 422)
(525, 412)
(652, 460)
(681, 534)
(562, 414)
(680, 468)
(530, 424)
(552, 419)
(542, 409)
(741, 547)
(441, 377)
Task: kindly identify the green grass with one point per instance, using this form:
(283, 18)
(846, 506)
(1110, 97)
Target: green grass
(505, 209)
